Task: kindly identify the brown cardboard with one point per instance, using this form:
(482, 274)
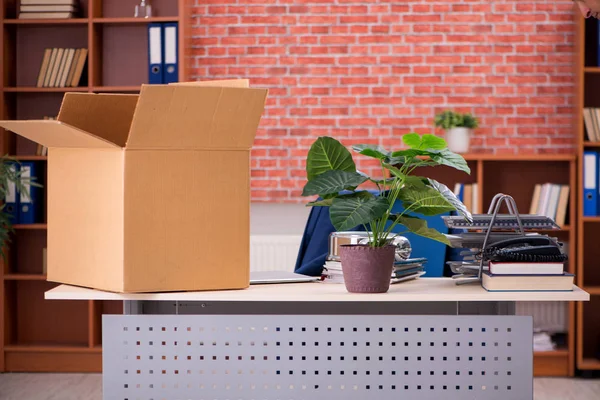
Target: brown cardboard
(150, 192)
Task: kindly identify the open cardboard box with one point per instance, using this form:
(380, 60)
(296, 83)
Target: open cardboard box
(150, 192)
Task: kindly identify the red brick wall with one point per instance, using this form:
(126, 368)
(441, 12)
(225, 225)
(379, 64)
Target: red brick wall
(369, 71)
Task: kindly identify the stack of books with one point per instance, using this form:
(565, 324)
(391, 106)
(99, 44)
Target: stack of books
(62, 67)
(408, 269)
(48, 9)
(591, 118)
(404, 270)
(469, 195)
(551, 200)
(527, 276)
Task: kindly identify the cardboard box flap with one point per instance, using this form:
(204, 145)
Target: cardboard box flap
(107, 116)
(243, 83)
(56, 134)
(196, 117)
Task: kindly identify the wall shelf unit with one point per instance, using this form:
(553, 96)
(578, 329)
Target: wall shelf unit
(36, 335)
(587, 70)
(498, 173)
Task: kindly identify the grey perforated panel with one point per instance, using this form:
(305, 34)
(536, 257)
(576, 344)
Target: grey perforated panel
(313, 357)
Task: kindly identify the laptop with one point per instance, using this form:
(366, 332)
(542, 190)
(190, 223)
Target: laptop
(263, 277)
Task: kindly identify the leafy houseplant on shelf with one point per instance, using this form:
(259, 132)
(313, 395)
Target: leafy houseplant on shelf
(9, 176)
(459, 128)
(332, 175)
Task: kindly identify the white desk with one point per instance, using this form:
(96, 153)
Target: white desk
(423, 339)
(421, 290)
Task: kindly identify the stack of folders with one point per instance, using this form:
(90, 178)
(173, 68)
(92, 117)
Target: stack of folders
(468, 194)
(48, 9)
(163, 52)
(551, 200)
(506, 276)
(23, 208)
(62, 67)
(591, 168)
(404, 270)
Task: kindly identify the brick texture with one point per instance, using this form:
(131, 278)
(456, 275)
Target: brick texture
(369, 71)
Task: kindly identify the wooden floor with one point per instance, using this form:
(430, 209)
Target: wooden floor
(89, 387)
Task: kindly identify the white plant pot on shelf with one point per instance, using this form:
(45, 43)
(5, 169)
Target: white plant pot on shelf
(458, 139)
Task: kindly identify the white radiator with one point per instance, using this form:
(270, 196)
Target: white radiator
(551, 316)
(274, 252)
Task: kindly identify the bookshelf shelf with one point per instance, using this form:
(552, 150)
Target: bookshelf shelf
(132, 20)
(554, 353)
(519, 157)
(30, 226)
(590, 219)
(589, 364)
(63, 21)
(46, 348)
(36, 335)
(134, 88)
(592, 70)
(593, 290)
(30, 158)
(24, 277)
(45, 89)
(591, 144)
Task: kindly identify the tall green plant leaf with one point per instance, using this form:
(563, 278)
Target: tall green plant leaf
(360, 208)
(419, 227)
(328, 154)
(424, 200)
(432, 142)
(425, 142)
(451, 198)
(371, 150)
(333, 181)
(451, 159)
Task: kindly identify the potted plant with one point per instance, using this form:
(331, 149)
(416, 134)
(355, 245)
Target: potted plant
(458, 127)
(332, 176)
(10, 175)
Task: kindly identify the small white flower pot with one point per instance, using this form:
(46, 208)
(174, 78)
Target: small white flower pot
(458, 139)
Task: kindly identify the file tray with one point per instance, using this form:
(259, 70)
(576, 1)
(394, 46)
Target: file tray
(502, 221)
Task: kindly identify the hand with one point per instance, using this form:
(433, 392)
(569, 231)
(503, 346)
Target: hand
(589, 8)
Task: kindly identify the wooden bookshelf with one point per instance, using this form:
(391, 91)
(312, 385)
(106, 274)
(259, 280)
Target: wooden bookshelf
(517, 176)
(587, 72)
(65, 336)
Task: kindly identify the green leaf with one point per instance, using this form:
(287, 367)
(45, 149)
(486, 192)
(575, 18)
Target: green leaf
(333, 181)
(419, 227)
(328, 154)
(383, 181)
(451, 159)
(432, 142)
(412, 140)
(360, 208)
(371, 150)
(394, 171)
(410, 153)
(451, 198)
(418, 182)
(424, 200)
(321, 203)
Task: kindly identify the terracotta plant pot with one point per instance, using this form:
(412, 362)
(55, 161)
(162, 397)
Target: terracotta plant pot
(367, 269)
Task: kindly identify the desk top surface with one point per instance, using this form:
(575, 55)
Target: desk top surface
(430, 289)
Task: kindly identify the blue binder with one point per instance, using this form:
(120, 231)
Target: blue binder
(30, 206)
(170, 54)
(155, 53)
(590, 183)
(11, 200)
